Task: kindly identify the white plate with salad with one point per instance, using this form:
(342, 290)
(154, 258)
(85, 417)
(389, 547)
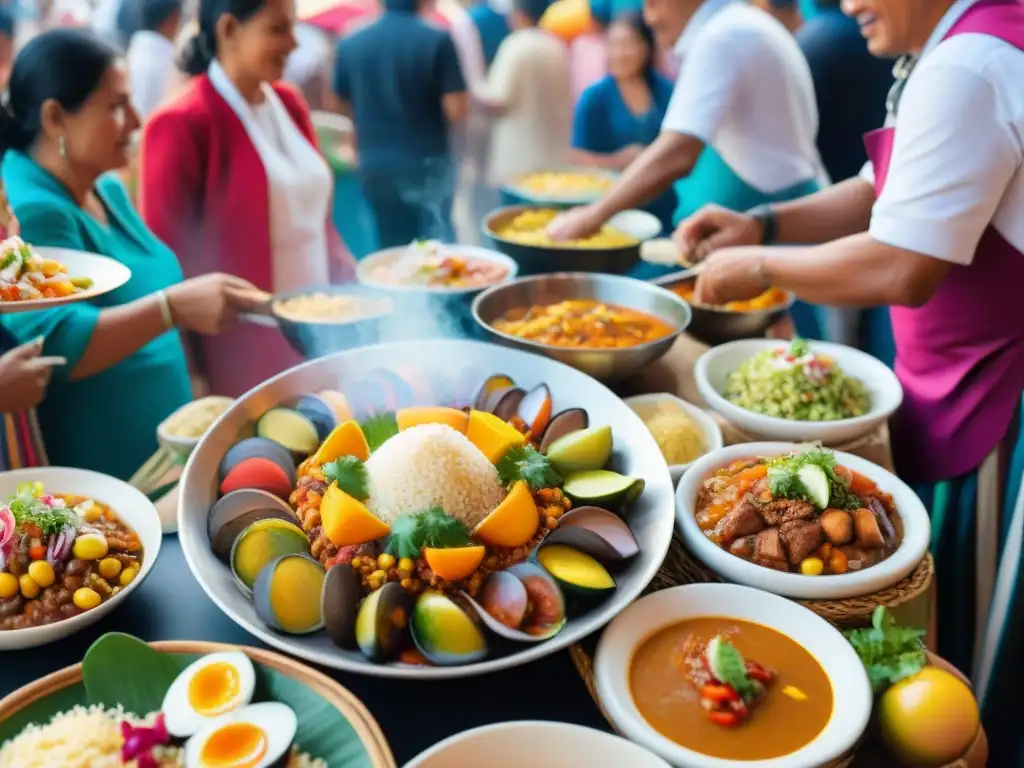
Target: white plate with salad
(798, 390)
(38, 277)
(801, 521)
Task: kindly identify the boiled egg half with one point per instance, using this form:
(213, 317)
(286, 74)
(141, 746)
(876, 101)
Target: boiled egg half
(206, 690)
(257, 736)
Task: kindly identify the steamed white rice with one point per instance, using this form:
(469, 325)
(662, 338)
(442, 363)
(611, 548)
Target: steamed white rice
(428, 465)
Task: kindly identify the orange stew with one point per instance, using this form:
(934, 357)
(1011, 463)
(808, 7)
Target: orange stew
(773, 297)
(737, 510)
(671, 690)
(583, 324)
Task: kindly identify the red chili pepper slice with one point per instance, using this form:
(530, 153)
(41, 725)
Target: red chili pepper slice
(759, 673)
(719, 693)
(725, 719)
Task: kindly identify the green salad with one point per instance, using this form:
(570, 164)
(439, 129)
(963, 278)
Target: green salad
(797, 383)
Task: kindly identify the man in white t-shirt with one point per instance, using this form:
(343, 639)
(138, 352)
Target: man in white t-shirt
(528, 88)
(745, 92)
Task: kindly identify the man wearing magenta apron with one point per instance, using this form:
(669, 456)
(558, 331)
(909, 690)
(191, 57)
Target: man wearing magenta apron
(944, 245)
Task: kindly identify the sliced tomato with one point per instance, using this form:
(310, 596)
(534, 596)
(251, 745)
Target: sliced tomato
(725, 719)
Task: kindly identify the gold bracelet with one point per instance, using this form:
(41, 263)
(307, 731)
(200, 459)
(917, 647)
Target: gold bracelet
(165, 309)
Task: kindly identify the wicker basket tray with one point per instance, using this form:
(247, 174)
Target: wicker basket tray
(377, 751)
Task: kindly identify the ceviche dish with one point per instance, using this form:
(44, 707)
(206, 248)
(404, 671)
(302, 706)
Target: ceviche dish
(418, 535)
(431, 264)
(797, 383)
(801, 512)
(530, 228)
(209, 716)
(60, 555)
(25, 276)
(583, 324)
(730, 689)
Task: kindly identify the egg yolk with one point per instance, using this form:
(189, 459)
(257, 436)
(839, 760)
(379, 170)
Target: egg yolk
(236, 745)
(214, 689)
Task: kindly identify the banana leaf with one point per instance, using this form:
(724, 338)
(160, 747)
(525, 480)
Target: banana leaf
(119, 669)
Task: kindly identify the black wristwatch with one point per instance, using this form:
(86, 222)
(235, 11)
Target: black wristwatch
(765, 216)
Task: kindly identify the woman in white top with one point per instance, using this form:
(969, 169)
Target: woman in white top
(232, 179)
(151, 52)
(943, 245)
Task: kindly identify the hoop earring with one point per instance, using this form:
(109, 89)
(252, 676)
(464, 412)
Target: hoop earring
(62, 147)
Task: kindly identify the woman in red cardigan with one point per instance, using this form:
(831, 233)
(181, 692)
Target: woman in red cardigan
(232, 180)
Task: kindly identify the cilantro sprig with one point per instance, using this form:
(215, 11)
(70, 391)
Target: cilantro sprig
(889, 652)
(379, 428)
(785, 483)
(727, 664)
(30, 510)
(526, 463)
(433, 527)
(349, 474)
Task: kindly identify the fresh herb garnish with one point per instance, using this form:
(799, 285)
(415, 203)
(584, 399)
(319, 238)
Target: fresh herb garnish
(379, 428)
(433, 528)
(727, 664)
(525, 462)
(889, 653)
(349, 473)
(799, 347)
(30, 510)
(784, 479)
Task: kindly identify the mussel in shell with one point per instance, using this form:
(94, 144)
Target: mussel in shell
(535, 409)
(444, 632)
(382, 623)
(562, 424)
(492, 384)
(595, 532)
(522, 603)
(339, 604)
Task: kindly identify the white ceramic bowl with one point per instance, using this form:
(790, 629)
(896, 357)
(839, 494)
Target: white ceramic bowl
(130, 505)
(644, 404)
(916, 532)
(536, 744)
(851, 707)
(183, 446)
(714, 366)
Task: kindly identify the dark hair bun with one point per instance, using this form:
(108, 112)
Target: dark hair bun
(196, 55)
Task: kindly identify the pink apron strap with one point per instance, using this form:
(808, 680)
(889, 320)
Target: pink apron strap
(1003, 20)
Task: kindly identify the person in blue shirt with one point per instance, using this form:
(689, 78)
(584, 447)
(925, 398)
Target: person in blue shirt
(621, 114)
(400, 80)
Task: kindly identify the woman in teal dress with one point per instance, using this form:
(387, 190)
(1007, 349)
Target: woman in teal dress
(621, 114)
(66, 124)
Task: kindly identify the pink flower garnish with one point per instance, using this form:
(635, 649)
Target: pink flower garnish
(7, 525)
(140, 740)
(47, 499)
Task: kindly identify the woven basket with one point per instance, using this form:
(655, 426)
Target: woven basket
(377, 750)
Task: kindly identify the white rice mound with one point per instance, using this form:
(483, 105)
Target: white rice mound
(428, 465)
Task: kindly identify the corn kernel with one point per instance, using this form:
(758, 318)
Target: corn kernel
(29, 587)
(109, 567)
(42, 573)
(8, 585)
(127, 576)
(812, 566)
(86, 599)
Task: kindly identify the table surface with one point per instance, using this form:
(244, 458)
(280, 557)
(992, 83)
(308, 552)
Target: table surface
(170, 605)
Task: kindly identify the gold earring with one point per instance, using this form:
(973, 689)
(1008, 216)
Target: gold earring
(62, 147)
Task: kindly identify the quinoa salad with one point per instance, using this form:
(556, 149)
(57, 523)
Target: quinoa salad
(797, 383)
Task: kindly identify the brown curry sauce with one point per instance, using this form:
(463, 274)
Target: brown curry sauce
(778, 726)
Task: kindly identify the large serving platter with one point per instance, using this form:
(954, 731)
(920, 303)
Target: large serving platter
(106, 273)
(441, 372)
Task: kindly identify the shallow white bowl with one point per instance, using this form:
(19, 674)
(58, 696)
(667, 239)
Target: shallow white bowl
(642, 404)
(183, 446)
(130, 505)
(714, 366)
(537, 744)
(916, 532)
(851, 706)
